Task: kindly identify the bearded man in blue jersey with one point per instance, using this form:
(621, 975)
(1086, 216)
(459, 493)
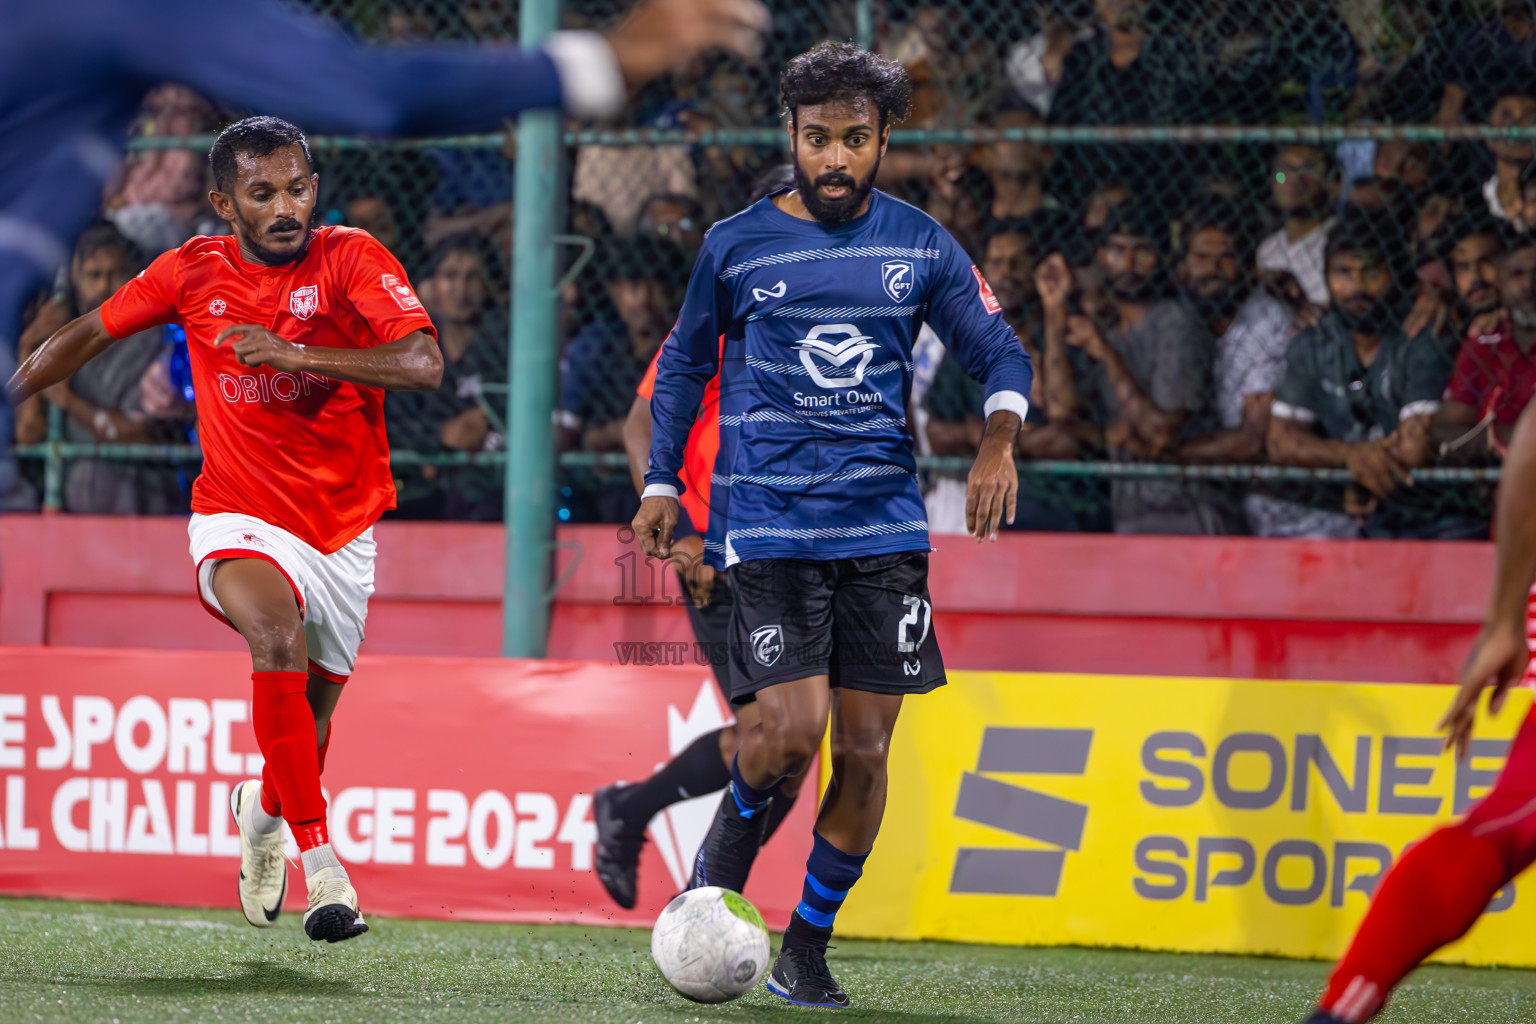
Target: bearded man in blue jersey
(808, 303)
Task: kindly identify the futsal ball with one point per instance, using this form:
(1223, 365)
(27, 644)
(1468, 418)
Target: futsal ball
(710, 944)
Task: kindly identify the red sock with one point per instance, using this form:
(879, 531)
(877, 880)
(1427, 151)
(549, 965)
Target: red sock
(285, 731)
(1440, 888)
(1431, 897)
(269, 801)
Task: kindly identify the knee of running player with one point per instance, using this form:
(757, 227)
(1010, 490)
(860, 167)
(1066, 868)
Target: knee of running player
(859, 759)
(789, 742)
(277, 644)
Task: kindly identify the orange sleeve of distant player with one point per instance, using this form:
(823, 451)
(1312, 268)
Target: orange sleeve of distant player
(648, 382)
(148, 300)
(378, 289)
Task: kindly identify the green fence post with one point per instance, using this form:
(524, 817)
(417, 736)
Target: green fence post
(531, 397)
(864, 24)
(53, 466)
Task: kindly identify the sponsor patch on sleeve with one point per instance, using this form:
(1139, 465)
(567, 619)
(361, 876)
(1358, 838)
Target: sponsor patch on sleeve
(402, 294)
(985, 291)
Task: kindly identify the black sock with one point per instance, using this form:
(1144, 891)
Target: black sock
(777, 812)
(698, 770)
(802, 933)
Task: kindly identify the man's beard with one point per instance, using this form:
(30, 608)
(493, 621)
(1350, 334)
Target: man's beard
(1373, 321)
(834, 211)
(1129, 287)
(267, 256)
(1222, 304)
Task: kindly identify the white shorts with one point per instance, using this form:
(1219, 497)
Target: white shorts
(332, 590)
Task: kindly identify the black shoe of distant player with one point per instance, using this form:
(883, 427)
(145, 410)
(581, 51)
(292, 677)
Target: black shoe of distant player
(800, 974)
(1322, 1018)
(726, 855)
(618, 847)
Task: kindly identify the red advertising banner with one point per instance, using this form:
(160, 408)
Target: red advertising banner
(458, 787)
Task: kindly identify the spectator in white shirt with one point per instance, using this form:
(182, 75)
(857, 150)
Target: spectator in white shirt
(1305, 184)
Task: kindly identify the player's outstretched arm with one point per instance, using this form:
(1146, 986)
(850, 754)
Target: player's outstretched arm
(310, 71)
(71, 347)
(413, 363)
(1500, 653)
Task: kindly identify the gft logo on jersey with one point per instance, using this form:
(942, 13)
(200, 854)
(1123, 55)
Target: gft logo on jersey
(823, 356)
(304, 301)
(400, 292)
(897, 278)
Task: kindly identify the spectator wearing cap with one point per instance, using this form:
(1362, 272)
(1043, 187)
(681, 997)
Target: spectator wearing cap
(1503, 192)
(1304, 183)
(1495, 373)
(1149, 381)
(602, 365)
(464, 413)
(1359, 394)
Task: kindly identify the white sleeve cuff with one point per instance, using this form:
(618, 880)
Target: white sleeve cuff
(591, 83)
(565, 418)
(1413, 409)
(1292, 412)
(659, 491)
(1010, 401)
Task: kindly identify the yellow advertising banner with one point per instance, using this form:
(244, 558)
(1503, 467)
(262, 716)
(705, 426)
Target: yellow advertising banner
(1200, 815)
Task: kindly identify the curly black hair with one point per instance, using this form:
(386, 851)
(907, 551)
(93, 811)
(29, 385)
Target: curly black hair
(254, 136)
(833, 71)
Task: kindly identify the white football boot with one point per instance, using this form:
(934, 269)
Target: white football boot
(333, 914)
(263, 869)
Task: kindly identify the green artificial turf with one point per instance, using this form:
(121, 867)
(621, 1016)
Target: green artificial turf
(119, 964)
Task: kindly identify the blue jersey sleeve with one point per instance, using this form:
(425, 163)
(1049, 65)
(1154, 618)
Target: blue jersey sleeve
(963, 311)
(306, 68)
(690, 357)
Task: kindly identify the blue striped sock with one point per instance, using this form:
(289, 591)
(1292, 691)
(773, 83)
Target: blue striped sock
(829, 874)
(748, 800)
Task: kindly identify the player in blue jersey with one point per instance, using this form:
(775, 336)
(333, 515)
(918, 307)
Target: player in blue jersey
(818, 293)
(72, 74)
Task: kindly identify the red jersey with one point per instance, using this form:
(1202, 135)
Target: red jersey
(703, 444)
(298, 450)
(1492, 372)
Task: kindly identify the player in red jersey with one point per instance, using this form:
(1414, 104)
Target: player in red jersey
(294, 336)
(1441, 886)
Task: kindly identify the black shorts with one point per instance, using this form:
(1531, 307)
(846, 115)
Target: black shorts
(867, 623)
(712, 629)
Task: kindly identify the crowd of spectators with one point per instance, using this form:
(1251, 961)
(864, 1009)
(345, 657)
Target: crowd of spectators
(1365, 307)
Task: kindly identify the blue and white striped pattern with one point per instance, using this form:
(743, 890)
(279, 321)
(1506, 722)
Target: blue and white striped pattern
(799, 370)
(825, 313)
(841, 253)
(806, 479)
(866, 423)
(828, 532)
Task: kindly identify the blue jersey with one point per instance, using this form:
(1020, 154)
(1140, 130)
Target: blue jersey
(818, 323)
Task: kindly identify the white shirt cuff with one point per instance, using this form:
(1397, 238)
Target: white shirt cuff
(1292, 412)
(591, 83)
(1011, 401)
(1412, 409)
(659, 491)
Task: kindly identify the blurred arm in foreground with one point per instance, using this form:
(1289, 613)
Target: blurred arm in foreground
(1500, 653)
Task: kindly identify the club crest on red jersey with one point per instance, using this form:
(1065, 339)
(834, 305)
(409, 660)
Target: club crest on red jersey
(401, 292)
(985, 290)
(304, 301)
(217, 307)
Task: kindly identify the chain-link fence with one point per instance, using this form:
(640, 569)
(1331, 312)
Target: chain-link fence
(1269, 259)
